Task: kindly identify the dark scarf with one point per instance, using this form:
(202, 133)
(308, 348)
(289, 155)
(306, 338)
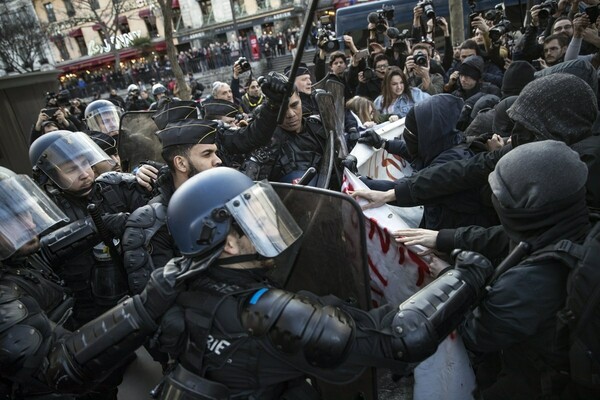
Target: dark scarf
(540, 227)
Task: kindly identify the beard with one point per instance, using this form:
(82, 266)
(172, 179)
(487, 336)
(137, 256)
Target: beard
(193, 170)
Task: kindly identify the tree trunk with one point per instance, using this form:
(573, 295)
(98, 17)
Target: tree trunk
(184, 90)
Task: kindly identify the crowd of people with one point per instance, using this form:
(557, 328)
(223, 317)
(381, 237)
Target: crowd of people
(175, 254)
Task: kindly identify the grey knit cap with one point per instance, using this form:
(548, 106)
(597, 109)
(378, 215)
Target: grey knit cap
(537, 174)
(558, 106)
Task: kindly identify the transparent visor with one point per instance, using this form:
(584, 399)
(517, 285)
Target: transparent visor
(264, 219)
(25, 213)
(105, 120)
(69, 160)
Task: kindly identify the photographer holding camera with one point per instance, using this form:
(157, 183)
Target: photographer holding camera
(417, 68)
(371, 79)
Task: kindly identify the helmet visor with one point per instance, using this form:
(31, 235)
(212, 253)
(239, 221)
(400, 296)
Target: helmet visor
(71, 156)
(104, 119)
(264, 219)
(25, 212)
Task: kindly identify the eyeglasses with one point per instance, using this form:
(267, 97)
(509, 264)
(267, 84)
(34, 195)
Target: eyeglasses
(382, 67)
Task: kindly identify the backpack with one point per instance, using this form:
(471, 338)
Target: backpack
(581, 314)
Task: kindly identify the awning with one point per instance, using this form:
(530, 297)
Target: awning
(145, 13)
(122, 19)
(97, 27)
(75, 33)
(175, 4)
(104, 59)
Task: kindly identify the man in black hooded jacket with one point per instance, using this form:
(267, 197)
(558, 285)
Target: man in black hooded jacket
(537, 116)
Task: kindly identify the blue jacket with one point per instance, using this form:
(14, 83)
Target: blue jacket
(402, 105)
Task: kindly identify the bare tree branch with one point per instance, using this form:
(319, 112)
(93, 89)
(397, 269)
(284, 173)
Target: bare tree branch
(21, 40)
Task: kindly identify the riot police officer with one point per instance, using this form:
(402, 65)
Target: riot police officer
(234, 334)
(103, 116)
(66, 164)
(188, 149)
(40, 357)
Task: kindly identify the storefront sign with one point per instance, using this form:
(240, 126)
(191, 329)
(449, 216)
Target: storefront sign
(120, 42)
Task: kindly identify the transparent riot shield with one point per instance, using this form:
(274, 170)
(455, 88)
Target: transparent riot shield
(329, 258)
(337, 91)
(326, 107)
(138, 140)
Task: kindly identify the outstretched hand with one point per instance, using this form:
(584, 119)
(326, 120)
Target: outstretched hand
(375, 198)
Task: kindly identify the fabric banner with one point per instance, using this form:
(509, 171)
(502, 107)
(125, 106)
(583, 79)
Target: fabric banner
(397, 272)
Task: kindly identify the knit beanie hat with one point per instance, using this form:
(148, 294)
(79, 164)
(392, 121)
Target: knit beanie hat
(559, 107)
(472, 66)
(537, 174)
(516, 77)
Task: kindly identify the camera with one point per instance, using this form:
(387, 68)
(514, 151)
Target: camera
(327, 40)
(427, 6)
(500, 29)
(547, 8)
(420, 59)
(536, 64)
(244, 64)
(494, 15)
(380, 17)
(63, 99)
(368, 73)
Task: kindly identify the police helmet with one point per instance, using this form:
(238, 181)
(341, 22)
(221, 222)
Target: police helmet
(158, 88)
(133, 88)
(25, 212)
(103, 116)
(203, 210)
(61, 154)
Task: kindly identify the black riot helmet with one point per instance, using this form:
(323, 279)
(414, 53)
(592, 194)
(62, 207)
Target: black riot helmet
(61, 154)
(202, 211)
(25, 212)
(103, 116)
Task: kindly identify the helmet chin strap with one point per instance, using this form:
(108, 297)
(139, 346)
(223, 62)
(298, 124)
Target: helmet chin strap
(240, 259)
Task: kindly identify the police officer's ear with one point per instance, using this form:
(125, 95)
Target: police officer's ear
(181, 164)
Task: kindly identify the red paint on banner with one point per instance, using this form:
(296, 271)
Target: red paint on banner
(376, 272)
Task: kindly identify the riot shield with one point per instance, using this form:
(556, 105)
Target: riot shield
(138, 140)
(337, 91)
(329, 258)
(326, 103)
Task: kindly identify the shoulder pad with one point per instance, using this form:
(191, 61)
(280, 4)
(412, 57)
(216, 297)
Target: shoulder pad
(9, 292)
(115, 178)
(11, 313)
(147, 216)
(19, 343)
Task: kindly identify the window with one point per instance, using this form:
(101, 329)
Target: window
(151, 25)
(69, 7)
(60, 44)
(82, 46)
(94, 4)
(123, 25)
(50, 12)
(207, 11)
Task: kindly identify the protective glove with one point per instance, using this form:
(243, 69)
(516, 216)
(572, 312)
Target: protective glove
(115, 223)
(274, 87)
(159, 294)
(351, 162)
(371, 138)
(475, 269)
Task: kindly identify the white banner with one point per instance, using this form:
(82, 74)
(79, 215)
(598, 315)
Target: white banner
(396, 273)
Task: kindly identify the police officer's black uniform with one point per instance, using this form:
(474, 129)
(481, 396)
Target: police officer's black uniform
(234, 335)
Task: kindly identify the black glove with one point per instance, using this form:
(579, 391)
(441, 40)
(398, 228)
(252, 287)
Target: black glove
(115, 223)
(159, 294)
(371, 138)
(351, 163)
(475, 268)
(274, 87)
